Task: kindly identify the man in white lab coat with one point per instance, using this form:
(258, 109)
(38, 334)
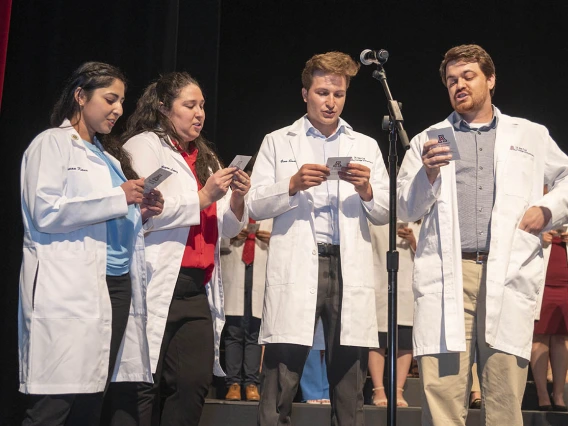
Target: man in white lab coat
(478, 265)
(320, 262)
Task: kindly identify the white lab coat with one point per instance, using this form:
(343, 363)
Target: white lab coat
(525, 159)
(65, 313)
(292, 270)
(405, 299)
(233, 273)
(167, 236)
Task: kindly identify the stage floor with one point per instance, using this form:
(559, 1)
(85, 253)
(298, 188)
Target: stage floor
(225, 413)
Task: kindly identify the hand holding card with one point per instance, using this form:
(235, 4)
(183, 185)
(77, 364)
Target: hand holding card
(445, 137)
(253, 227)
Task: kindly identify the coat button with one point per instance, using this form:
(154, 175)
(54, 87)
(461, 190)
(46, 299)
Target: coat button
(314, 252)
(75, 137)
(312, 290)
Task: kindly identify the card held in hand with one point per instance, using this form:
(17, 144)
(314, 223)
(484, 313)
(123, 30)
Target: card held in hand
(240, 161)
(335, 164)
(156, 178)
(446, 137)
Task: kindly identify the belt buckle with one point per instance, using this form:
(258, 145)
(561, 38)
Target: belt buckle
(478, 258)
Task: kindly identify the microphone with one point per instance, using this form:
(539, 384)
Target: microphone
(378, 57)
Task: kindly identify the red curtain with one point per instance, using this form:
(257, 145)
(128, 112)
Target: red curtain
(5, 10)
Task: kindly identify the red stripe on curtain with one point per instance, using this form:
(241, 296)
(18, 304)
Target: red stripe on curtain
(5, 11)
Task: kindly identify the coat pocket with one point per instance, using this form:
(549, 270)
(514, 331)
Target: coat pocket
(525, 271)
(67, 285)
(518, 175)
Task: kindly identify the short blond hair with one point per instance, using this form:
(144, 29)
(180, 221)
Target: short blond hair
(337, 63)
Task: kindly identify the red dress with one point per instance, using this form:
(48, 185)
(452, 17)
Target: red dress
(554, 311)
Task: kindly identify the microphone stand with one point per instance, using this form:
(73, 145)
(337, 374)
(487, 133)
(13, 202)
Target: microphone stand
(394, 124)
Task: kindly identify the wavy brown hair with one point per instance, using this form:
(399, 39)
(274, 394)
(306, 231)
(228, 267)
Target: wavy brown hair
(149, 118)
(330, 63)
(91, 76)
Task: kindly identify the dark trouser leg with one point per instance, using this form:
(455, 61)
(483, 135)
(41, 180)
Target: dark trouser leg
(188, 360)
(234, 336)
(48, 410)
(346, 365)
(281, 372)
(251, 327)
(120, 398)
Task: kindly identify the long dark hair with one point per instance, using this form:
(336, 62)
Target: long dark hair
(89, 77)
(148, 118)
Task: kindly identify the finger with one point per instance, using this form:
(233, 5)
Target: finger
(226, 171)
(357, 166)
(353, 172)
(238, 185)
(430, 143)
(242, 174)
(310, 172)
(317, 167)
(437, 151)
(438, 161)
(225, 180)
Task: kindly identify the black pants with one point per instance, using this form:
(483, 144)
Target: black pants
(85, 409)
(242, 351)
(185, 366)
(346, 365)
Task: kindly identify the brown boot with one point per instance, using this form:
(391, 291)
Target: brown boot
(252, 393)
(234, 393)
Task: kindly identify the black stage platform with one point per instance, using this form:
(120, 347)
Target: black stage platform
(224, 413)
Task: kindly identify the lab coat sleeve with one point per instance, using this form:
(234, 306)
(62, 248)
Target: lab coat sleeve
(379, 213)
(231, 224)
(44, 181)
(415, 193)
(180, 209)
(555, 176)
(269, 198)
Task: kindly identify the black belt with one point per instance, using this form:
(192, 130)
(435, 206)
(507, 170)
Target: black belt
(328, 249)
(478, 256)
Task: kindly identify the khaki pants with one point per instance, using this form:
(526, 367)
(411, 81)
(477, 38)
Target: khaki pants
(446, 378)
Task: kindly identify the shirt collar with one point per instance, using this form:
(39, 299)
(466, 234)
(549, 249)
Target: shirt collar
(461, 125)
(342, 127)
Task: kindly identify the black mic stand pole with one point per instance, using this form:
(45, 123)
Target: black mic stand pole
(394, 124)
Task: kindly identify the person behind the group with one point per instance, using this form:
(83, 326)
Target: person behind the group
(550, 340)
(478, 263)
(407, 234)
(314, 383)
(185, 295)
(320, 256)
(83, 242)
(243, 261)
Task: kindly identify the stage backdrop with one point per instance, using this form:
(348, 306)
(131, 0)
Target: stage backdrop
(248, 55)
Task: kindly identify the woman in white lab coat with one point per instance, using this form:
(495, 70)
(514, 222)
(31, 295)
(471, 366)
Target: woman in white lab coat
(407, 234)
(82, 280)
(185, 295)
